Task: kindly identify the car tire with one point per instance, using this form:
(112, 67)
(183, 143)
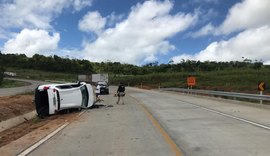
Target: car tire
(41, 109)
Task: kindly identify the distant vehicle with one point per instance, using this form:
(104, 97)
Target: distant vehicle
(85, 78)
(100, 77)
(10, 74)
(52, 98)
(104, 87)
(93, 78)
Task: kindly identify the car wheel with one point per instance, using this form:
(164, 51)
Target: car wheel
(42, 106)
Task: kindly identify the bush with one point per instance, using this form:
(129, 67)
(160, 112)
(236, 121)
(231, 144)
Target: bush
(2, 70)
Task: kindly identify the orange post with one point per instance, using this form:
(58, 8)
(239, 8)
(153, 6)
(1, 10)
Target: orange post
(191, 81)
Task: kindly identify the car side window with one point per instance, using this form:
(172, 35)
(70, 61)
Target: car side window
(64, 87)
(85, 96)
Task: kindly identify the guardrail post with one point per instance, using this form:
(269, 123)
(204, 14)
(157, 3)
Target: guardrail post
(261, 93)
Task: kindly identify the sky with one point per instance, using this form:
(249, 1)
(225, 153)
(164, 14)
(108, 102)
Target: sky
(137, 31)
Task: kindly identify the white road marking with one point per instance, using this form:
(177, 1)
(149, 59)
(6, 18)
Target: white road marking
(30, 149)
(228, 115)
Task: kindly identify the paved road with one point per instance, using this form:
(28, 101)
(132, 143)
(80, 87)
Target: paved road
(198, 126)
(122, 130)
(205, 127)
(20, 90)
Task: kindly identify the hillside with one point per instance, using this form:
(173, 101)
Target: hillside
(224, 76)
(237, 80)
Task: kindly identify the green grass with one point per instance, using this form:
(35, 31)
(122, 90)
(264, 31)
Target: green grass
(237, 80)
(11, 83)
(43, 75)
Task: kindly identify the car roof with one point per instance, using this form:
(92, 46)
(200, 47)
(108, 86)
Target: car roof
(55, 85)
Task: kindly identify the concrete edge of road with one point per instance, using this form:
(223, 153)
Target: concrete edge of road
(43, 140)
(4, 125)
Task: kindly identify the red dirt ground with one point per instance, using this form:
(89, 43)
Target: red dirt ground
(12, 106)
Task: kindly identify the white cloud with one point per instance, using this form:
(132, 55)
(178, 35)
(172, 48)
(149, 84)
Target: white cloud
(206, 1)
(141, 36)
(267, 62)
(92, 22)
(208, 15)
(35, 14)
(79, 4)
(252, 44)
(246, 14)
(29, 42)
(113, 18)
(208, 29)
(250, 19)
(3, 34)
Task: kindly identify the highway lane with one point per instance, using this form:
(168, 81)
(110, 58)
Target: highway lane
(198, 126)
(207, 127)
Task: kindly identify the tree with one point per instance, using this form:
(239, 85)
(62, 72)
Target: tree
(257, 65)
(2, 70)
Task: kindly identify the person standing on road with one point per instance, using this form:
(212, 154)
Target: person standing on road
(121, 93)
(97, 91)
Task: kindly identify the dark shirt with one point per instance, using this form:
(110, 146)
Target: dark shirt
(121, 88)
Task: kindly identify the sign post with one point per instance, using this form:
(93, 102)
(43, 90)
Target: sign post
(261, 88)
(191, 81)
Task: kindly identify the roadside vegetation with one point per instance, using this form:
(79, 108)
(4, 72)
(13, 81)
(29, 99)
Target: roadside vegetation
(239, 76)
(43, 75)
(2, 70)
(12, 83)
(238, 80)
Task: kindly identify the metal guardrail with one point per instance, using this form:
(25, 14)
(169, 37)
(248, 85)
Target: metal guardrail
(220, 93)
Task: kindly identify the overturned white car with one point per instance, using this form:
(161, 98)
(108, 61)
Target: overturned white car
(52, 98)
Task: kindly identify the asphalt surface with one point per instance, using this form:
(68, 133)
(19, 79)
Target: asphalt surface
(198, 126)
(20, 90)
(206, 127)
(121, 130)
